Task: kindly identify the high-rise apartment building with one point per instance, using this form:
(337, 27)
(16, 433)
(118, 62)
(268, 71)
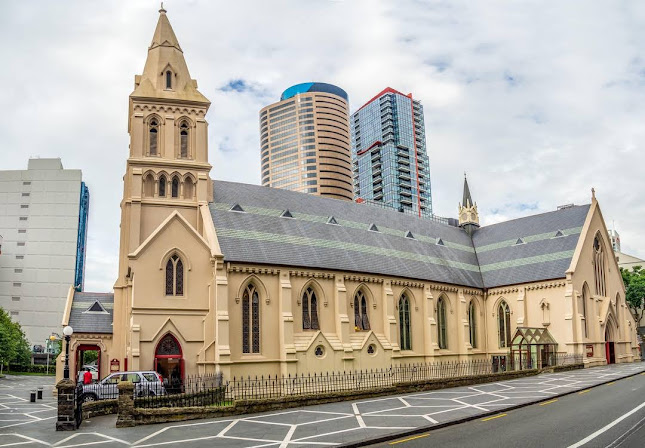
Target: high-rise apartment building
(390, 160)
(305, 141)
(43, 219)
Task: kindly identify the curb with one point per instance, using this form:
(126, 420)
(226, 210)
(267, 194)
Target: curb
(424, 429)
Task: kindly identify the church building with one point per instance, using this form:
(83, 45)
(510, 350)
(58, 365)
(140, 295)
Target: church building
(250, 280)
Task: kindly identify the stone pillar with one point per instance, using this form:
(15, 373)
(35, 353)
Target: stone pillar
(66, 406)
(125, 410)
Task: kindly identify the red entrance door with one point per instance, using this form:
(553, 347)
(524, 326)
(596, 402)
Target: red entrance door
(169, 362)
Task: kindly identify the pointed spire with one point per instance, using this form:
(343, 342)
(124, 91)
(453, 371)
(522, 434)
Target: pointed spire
(467, 201)
(166, 75)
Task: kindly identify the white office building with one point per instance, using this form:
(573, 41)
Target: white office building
(43, 222)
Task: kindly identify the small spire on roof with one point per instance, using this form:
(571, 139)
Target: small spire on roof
(593, 193)
(162, 10)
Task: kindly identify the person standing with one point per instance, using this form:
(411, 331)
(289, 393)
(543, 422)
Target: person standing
(87, 376)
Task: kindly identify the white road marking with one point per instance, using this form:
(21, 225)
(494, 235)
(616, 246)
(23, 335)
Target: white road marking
(357, 413)
(590, 437)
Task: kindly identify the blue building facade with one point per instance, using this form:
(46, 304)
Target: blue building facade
(81, 241)
(389, 156)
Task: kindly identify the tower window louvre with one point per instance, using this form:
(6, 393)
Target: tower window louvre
(175, 187)
(168, 79)
(183, 140)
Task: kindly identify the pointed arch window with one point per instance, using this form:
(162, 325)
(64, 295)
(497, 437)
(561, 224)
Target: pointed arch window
(183, 140)
(361, 319)
(585, 296)
(149, 186)
(188, 188)
(153, 137)
(250, 320)
(175, 187)
(162, 186)
(599, 266)
(405, 338)
(168, 79)
(310, 310)
(174, 276)
(442, 330)
(504, 323)
(472, 324)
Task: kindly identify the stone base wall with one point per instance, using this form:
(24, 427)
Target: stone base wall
(141, 416)
(102, 407)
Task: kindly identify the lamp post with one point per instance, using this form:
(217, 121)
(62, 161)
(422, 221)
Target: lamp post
(48, 343)
(67, 331)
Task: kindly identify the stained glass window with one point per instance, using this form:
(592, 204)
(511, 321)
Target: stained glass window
(472, 324)
(310, 310)
(361, 319)
(174, 276)
(404, 323)
(170, 270)
(442, 336)
(168, 346)
(246, 348)
(255, 329)
(250, 320)
(504, 322)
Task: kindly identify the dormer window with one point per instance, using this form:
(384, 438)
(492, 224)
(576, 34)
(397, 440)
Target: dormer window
(168, 79)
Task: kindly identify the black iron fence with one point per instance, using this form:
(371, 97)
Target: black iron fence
(211, 390)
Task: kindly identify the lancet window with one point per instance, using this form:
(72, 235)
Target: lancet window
(599, 266)
(504, 323)
(153, 137)
(405, 338)
(442, 330)
(361, 319)
(183, 140)
(310, 310)
(472, 324)
(174, 276)
(250, 320)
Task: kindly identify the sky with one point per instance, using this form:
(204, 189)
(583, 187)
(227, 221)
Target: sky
(538, 101)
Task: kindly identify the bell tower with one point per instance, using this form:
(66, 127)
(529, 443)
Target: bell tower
(167, 169)
(468, 215)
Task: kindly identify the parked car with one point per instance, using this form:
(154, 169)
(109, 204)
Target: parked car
(146, 383)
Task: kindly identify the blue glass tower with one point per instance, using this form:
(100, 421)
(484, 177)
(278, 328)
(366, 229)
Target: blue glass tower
(81, 240)
(389, 156)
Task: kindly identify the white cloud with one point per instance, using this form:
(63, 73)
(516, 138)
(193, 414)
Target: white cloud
(538, 101)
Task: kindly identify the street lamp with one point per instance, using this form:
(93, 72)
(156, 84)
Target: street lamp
(53, 338)
(67, 331)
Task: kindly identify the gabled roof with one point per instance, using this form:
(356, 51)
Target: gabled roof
(83, 321)
(490, 259)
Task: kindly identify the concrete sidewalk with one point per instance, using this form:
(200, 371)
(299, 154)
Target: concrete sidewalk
(335, 424)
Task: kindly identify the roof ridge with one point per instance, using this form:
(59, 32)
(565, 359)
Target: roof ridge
(532, 216)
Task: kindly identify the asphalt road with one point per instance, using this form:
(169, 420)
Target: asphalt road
(568, 421)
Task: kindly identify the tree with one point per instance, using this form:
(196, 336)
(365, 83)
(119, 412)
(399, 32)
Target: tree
(635, 290)
(14, 347)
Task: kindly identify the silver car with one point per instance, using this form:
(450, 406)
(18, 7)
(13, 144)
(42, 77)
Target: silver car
(146, 383)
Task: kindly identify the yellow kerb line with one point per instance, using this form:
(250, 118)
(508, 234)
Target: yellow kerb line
(493, 417)
(613, 382)
(409, 438)
(548, 402)
(584, 391)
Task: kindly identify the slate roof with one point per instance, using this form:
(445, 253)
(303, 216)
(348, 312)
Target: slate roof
(84, 321)
(260, 234)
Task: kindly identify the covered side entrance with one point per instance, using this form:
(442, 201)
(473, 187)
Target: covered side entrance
(88, 356)
(532, 348)
(169, 362)
(610, 352)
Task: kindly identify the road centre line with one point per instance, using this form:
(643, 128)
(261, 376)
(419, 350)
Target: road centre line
(409, 438)
(493, 417)
(548, 402)
(592, 436)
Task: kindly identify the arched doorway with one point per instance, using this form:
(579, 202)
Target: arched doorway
(88, 357)
(610, 353)
(169, 362)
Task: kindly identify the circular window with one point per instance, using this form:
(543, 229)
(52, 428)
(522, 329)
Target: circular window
(320, 351)
(371, 349)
